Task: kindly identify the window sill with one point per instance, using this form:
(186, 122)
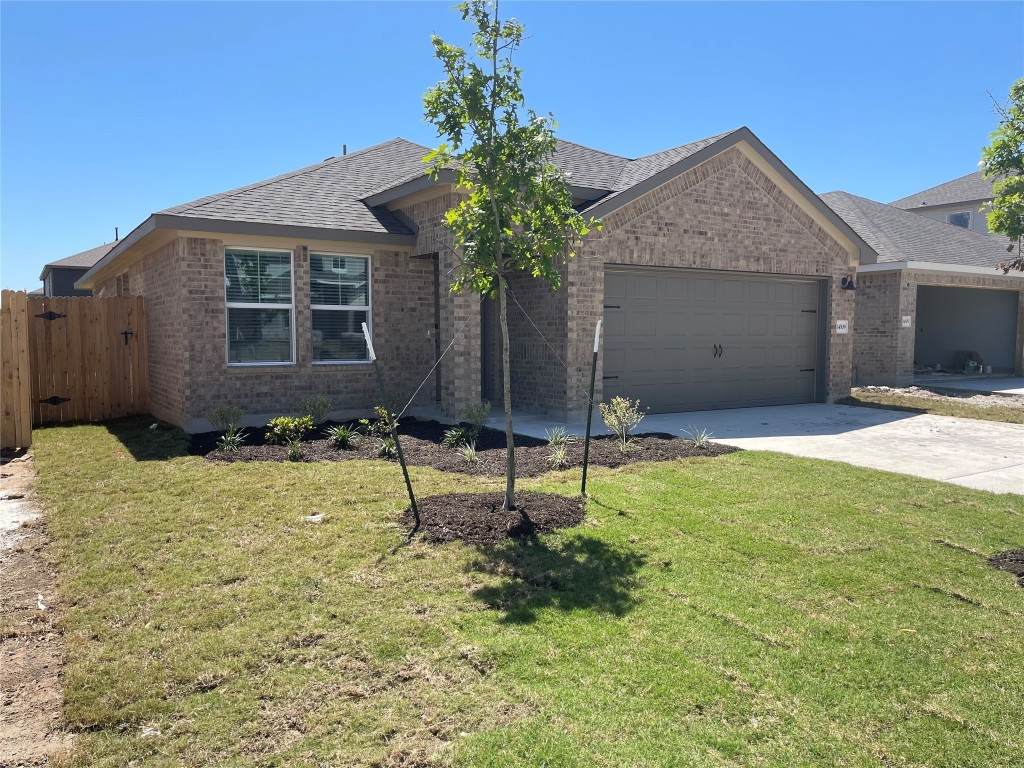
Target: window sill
(341, 362)
(262, 365)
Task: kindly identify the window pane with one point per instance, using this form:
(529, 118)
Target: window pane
(258, 276)
(960, 219)
(339, 280)
(259, 335)
(338, 335)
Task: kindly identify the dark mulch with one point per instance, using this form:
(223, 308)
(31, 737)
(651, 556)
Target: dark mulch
(421, 444)
(477, 518)
(1011, 561)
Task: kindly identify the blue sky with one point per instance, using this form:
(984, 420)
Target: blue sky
(111, 111)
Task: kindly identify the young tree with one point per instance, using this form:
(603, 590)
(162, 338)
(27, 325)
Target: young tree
(516, 214)
(1003, 160)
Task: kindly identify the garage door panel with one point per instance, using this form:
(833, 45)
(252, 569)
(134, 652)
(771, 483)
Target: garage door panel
(700, 341)
(614, 286)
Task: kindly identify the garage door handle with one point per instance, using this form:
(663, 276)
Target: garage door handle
(806, 370)
(612, 306)
(605, 378)
(715, 347)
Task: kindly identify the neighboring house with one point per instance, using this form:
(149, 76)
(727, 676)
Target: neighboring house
(956, 202)
(718, 274)
(59, 277)
(934, 297)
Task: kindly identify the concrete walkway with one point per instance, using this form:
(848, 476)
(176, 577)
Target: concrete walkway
(978, 454)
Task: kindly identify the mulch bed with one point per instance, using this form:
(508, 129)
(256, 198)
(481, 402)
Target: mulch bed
(477, 518)
(421, 444)
(1011, 561)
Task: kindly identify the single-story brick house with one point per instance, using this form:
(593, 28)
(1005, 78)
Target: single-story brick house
(718, 273)
(933, 295)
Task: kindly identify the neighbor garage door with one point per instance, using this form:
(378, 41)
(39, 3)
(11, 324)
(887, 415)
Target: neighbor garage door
(684, 340)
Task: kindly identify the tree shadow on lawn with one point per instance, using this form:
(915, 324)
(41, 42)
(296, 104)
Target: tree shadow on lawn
(580, 573)
(147, 443)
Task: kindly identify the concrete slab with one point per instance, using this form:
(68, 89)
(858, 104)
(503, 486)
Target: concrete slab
(1006, 385)
(977, 454)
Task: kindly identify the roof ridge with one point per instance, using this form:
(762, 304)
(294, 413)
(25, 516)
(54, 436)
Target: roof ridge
(713, 138)
(592, 149)
(186, 207)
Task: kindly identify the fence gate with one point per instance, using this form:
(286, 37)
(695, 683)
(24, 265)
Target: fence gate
(86, 357)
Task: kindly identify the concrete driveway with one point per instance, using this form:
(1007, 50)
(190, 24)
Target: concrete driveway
(978, 454)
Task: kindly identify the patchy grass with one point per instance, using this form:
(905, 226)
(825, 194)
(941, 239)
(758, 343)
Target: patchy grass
(748, 609)
(966, 405)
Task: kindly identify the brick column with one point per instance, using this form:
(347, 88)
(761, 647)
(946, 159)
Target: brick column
(841, 306)
(585, 284)
(460, 368)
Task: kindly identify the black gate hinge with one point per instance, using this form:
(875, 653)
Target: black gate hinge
(50, 315)
(55, 399)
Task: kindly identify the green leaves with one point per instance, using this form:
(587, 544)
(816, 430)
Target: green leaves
(1003, 159)
(518, 212)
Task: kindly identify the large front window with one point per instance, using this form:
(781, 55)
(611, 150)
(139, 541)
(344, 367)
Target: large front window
(260, 307)
(339, 288)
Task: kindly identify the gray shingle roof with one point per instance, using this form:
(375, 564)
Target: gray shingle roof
(85, 258)
(330, 194)
(898, 235)
(967, 188)
(326, 195)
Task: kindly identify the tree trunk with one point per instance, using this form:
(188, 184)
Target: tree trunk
(506, 383)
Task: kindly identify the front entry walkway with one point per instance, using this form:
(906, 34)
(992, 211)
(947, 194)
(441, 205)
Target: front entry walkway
(977, 454)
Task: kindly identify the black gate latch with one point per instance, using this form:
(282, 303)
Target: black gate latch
(127, 335)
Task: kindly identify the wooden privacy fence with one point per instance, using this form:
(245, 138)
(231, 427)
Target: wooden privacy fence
(71, 359)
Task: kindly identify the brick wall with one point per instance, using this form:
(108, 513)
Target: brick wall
(884, 350)
(184, 286)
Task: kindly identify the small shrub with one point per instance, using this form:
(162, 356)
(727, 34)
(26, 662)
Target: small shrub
(621, 415)
(456, 437)
(381, 426)
(559, 436)
(387, 449)
(558, 458)
(232, 440)
(342, 437)
(700, 436)
(316, 407)
(284, 429)
(476, 415)
(295, 449)
(468, 452)
(224, 417)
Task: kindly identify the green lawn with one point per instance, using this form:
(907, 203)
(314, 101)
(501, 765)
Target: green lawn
(995, 409)
(754, 609)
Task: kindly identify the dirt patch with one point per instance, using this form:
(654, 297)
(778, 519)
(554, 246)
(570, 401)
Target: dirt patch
(421, 444)
(958, 396)
(31, 644)
(1011, 561)
(477, 518)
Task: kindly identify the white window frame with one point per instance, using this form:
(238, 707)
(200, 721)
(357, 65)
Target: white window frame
(368, 308)
(958, 213)
(258, 305)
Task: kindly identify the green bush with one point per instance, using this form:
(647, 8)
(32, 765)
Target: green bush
(381, 426)
(558, 457)
(621, 415)
(468, 452)
(284, 429)
(559, 436)
(295, 449)
(342, 437)
(476, 415)
(316, 407)
(224, 417)
(232, 440)
(387, 449)
(456, 437)
(700, 436)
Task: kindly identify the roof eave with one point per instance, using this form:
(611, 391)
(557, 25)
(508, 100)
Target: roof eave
(170, 221)
(935, 266)
(385, 196)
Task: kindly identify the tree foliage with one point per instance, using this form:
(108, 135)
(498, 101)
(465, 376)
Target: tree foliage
(1003, 161)
(516, 213)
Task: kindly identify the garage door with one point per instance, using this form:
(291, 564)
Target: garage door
(684, 340)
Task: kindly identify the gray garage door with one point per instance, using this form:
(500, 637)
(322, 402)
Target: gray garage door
(683, 340)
